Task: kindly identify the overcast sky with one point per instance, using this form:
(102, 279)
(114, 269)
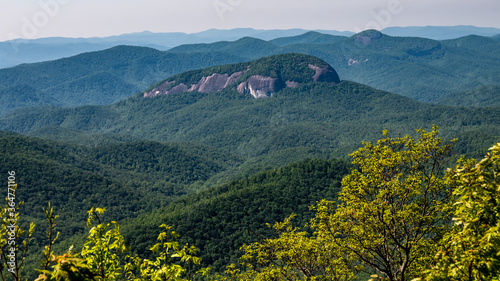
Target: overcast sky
(88, 18)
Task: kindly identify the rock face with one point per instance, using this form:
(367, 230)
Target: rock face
(207, 84)
(258, 86)
(324, 73)
(215, 82)
(264, 81)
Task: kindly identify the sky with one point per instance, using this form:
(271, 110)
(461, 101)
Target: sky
(31, 19)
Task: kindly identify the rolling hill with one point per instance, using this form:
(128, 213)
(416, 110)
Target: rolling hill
(441, 32)
(116, 176)
(18, 51)
(221, 219)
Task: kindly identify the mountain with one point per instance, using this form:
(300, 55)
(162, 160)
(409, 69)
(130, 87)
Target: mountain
(137, 178)
(248, 47)
(193, 157)
(18, 51)
(127, 178)
(101, 77)
(309, 119)
(261, 78)
(441, 32)
(311, 37)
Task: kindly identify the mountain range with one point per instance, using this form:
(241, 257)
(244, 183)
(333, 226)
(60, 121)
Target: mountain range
(388, 63)
(219, 139)
(308, 111)
(18, 51)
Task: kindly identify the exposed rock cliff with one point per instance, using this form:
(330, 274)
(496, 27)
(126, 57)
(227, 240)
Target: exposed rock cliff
(260, 78)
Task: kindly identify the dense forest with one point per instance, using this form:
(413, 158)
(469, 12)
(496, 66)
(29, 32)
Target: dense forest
(317, 181)
(345, 240)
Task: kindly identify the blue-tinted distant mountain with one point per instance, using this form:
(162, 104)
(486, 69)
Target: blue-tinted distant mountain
(20, 51)
(12, 53)
(311, 37)
(248, 47)
(441, 32)
(234, 34)
(237, 33)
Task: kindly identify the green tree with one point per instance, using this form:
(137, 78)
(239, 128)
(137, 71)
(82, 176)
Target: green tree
(293, 255)
(102, 251)
(472, 248)
(103, 256)
(394, 207)
(165, 267)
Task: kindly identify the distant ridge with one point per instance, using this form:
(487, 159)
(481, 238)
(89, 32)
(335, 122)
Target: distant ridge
(20, 51)
(381, 61)
(441, 32)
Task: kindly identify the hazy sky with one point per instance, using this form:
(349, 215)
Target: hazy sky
(88, 18)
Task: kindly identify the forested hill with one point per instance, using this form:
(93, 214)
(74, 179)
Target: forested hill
(128, 179)
(260, 78)
(311, 120)
(422, 69)
(221, 219)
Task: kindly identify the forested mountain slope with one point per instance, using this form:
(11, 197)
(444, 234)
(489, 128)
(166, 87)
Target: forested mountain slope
(311, 118)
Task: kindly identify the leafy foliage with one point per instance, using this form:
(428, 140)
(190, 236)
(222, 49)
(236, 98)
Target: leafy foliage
(294, 255)
(75, 178)
(15, 240)
(471, 249)
(394, 209)
(102, 258)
